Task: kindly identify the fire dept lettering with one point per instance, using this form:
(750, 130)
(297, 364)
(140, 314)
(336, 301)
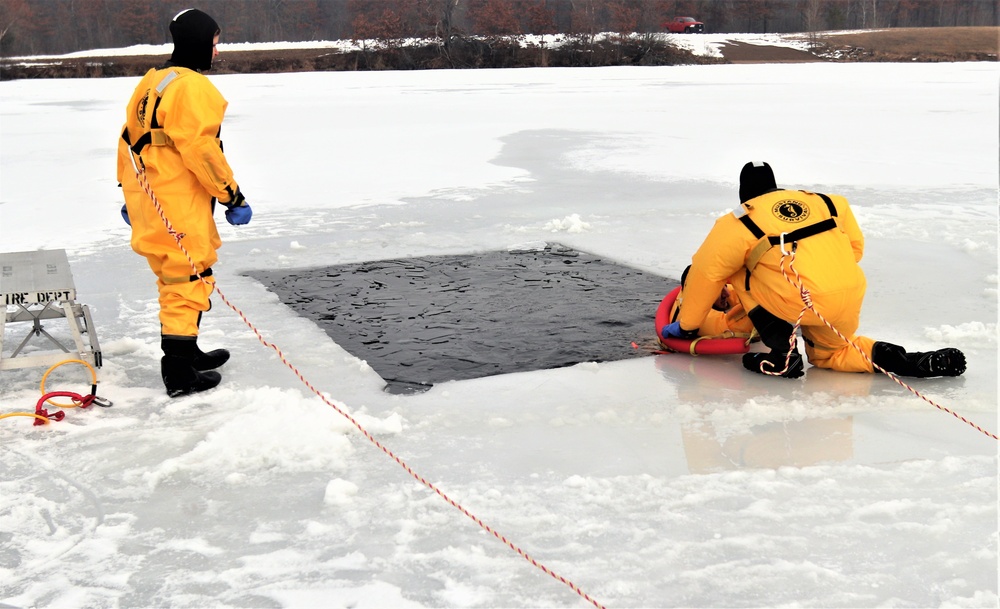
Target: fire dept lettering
(24, 298)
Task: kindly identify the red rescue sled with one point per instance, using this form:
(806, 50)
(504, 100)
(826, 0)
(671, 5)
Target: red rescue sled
(699, 346)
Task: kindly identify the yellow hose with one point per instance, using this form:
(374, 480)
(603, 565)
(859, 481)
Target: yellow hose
(24, 414)
(93, 376)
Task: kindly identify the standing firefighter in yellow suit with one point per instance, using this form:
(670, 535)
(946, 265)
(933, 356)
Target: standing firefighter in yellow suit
(172, 130)
(746, 249)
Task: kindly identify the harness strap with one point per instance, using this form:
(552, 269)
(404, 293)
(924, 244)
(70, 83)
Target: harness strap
(206, 273)
(752, 226)
(155, 136)
(768, 241)
(828, 201)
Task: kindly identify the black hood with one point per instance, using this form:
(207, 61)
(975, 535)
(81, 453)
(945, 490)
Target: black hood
(756, 178)
(193, 32)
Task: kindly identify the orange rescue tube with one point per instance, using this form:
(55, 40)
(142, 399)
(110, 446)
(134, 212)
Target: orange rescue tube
(698, 346)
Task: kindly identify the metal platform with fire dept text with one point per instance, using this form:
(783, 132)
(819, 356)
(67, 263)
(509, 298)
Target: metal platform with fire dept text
(38, 286)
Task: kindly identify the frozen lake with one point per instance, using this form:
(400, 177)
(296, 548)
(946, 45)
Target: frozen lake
(660, 481)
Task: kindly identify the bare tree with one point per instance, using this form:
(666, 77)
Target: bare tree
(538, 18)
(811, 15)
(584, 19)
(443, 12)
(12, 14)
(494, 18)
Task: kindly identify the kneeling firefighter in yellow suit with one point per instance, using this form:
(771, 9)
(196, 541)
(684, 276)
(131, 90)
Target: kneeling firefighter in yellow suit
(746, 249)
(171, 134)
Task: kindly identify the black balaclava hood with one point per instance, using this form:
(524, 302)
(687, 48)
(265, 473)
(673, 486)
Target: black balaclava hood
(756, 178)
(193, 32)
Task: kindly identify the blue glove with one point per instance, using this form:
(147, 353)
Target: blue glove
(239, 215)
(125, 215)
(674, 331)
(237, 210)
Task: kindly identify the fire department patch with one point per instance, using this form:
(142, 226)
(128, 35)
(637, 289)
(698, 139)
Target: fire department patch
(790, 211)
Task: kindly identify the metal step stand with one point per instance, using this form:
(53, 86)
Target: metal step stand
(37, 286)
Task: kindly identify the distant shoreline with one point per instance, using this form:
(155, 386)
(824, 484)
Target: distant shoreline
(946, 44)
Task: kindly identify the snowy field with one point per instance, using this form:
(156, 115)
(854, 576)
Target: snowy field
(661, 481)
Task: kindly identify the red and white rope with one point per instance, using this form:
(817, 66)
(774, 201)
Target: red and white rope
(807, 301)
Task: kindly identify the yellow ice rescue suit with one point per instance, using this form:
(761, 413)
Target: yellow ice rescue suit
(172, 129)
(745, 249)
(725, 319)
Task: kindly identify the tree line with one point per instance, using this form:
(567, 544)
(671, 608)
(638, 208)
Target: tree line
(53, 27)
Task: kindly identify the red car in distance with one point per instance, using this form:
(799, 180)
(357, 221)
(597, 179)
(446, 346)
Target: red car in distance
(685, 25)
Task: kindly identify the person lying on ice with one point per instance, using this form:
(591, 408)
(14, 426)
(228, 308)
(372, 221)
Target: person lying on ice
(726, 318)
(172, 129)
(818, 235)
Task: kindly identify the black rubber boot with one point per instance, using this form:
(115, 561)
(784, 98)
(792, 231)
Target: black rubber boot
(180, 377)
(895, 359)
(188, 347)
(178, 368)
(211, 360)
(758, 362)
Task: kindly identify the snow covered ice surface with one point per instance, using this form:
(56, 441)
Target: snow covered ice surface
(662, 481)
